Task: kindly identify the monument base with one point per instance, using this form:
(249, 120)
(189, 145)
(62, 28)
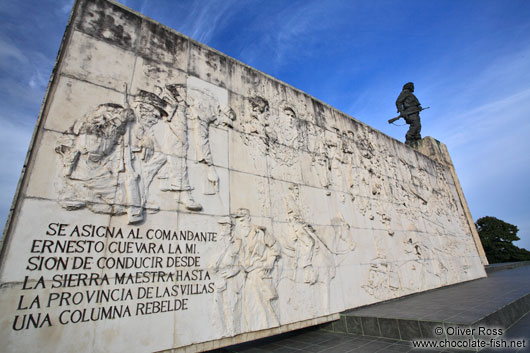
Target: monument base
(478, 303)
(251, 336)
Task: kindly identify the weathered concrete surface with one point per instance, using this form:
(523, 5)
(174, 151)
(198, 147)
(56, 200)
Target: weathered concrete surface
(436, 150)
(175, 198)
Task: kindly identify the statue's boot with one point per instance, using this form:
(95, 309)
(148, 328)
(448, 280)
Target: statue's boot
(187, 200)
(151, 207)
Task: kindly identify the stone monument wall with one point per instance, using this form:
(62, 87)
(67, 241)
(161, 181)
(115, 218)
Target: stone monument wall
(174, 197)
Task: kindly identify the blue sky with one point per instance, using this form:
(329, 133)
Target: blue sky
(469, 60)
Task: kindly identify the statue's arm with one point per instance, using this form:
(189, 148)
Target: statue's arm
(416, 101)
(400, 101)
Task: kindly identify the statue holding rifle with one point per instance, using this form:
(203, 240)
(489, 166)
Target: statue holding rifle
(409, 108)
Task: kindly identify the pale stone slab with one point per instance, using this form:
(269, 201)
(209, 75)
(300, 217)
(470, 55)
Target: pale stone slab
(161, 44)
(151, 75)
(47, 168)
(245, 153)
(208, 65)
(253, 193)
(73, 99)
(97, 62)
(243, 79)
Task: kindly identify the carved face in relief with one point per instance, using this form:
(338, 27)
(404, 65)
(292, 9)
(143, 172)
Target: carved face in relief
(225, 227)
(295, 190)
(108, 121)
(289, 117)
(293, 216)
(259, 105)
(99, 119)
(231, 117)
(242, 223)
(289, 113)
(147, 114)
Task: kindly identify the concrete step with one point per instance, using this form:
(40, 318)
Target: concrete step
(497, 301)
(505, 266)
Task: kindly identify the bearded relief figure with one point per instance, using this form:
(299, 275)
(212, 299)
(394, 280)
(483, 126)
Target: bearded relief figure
(258, 258)
(92, 154)
(302, 238)
(246, 275)
(229, 279)
(110, 157)
(348, 161)
(382, 280)
(423, 266)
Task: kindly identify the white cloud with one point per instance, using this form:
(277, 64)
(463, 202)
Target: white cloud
(286, 35)
(8, 51)
(205, 18)
(484, 123)
(38, 80)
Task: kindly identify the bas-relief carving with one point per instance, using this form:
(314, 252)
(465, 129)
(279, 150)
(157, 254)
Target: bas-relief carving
(252, 124)
(291, 253)
(176, 144)
(93, 155)
(246, 275)
(429, 263)
(111, 156)
(206, 110)
(382, 186)
(394, 273)
(230, 278)
(423, 204)
(311, 253)
(284, 136)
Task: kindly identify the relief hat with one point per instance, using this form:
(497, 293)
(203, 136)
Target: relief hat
(225, 220)
(241, 213)
(152, 99)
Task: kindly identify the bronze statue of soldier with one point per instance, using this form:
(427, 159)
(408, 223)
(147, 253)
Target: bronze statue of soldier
(409, 107)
